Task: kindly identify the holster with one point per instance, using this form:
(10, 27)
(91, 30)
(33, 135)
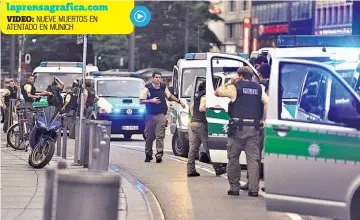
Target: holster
(233, 125)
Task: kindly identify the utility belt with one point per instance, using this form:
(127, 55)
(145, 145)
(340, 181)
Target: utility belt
(199, 121)
(239, 123)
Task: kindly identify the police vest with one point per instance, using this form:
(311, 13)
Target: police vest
(161, 108)
(24, 92)
(91, 97)
(72, 105)
(198, 116)
(55, 99)
(12, 95)
(265, 83)
(248, 104)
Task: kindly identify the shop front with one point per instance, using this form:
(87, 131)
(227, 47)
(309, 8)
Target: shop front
(268, 34)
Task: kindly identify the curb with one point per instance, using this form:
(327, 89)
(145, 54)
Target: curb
(153, 206)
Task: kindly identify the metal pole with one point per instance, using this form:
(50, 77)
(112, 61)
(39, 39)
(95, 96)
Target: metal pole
(131, 64)
(12, 55)
(19, 60)
(198, 36)
(186, 45)
(95, 60)
(64, 144)
(82, 90)
(49, 193)
(58, 142)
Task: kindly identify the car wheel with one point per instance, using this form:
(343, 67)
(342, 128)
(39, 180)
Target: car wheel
(179, 149)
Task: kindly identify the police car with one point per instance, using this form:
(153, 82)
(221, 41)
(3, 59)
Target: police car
(65, 71)
(120, 103)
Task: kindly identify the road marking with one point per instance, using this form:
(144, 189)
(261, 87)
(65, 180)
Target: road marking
(292, 216)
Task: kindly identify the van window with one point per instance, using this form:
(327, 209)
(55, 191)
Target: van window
(188, 78)
(319, 94)
(176, 80)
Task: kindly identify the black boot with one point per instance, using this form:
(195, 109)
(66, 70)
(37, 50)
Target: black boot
(148, 159)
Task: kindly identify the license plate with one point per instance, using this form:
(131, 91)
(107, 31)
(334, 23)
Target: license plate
(130, 128)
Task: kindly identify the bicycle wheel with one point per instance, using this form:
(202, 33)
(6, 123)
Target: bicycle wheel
(12, 134)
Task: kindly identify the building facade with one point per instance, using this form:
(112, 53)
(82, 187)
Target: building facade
(234, 14)
(333, 17)
(269, 19)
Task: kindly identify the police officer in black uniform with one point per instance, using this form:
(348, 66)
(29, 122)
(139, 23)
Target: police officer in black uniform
(9, 93)
(247, 114)
(154, 95)
(91, 99)
(70, 105)
(198, 132)
(55, 90)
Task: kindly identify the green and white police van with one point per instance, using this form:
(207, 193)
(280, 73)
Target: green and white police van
(65, 71)
(120, 103)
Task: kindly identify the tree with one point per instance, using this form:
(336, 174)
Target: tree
(167, 30)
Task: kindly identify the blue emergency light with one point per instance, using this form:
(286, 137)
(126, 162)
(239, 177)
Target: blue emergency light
(96, 73)
(43, 64)
(79, 64)
(288, 41)
(244, 55)
(195, 56)
(136, 75)
(58, 64)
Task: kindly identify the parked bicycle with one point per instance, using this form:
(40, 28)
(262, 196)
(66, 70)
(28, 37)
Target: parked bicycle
(18, 134)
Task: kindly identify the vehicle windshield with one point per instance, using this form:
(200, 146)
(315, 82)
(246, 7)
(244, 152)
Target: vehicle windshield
(188, 79)
(120, 88)
(43, 80)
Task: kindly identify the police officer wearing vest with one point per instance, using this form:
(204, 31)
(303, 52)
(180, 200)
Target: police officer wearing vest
(90, 98)
(264, 76)
(55, 90)
(154, 95)
(28, 91)
(9, 93)
(70, 105)
(247, 115)
(198, 132)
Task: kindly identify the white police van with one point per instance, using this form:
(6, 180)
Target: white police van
(65, 71)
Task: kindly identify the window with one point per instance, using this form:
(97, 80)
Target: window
(341, 15)
(318, 98)
(245, 5)
(335, 18)
(232, 5)
(329, 20)
(188, 78)
(324, 17)
(347, 14)
(318, 17)
(230, 31)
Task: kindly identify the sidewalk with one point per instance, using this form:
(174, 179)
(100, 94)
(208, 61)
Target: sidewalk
(23, 188)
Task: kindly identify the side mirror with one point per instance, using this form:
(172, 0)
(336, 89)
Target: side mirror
(345, 113)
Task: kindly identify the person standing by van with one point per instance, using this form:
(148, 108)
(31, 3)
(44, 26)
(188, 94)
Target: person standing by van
(198, 132)
(154, 95)
(247, 113)
(55, 90)
(8, 94)
(70, 105)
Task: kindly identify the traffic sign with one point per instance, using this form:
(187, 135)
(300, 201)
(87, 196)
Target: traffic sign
(27, 58)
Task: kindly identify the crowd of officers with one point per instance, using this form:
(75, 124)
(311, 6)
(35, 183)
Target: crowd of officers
(247, 111)
(69, 104)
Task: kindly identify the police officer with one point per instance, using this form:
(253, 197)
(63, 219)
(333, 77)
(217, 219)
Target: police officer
(154, 95)
(9, 93)
(198, 132)
(90, 98)
(70, 105)
(55, 90)
(28, 91)
(264, 76)
(247, 115)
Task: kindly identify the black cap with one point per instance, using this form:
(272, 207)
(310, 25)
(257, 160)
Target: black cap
(261, 59)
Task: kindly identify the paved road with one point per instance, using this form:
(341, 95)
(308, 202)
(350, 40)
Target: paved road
(181, 197)
(199, 198)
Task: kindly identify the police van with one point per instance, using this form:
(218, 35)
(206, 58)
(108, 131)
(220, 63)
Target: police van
(65, 71)
(120, 103)
(312, 160)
